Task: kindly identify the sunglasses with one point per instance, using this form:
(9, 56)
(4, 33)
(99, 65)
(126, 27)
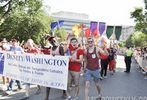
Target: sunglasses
(73, 41)
(90, 41)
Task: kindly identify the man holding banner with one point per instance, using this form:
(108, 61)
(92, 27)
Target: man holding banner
(16, 49)
(56, 50)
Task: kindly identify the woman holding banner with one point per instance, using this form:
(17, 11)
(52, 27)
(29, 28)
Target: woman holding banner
(31, 48)
(104, 61)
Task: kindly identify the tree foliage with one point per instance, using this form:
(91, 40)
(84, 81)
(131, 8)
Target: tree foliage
(23, 19)
(138, 39)
(61, 33)
(140, 17)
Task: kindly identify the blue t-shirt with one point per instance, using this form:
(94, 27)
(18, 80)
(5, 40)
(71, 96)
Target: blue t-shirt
(67, 52)
(17, 48)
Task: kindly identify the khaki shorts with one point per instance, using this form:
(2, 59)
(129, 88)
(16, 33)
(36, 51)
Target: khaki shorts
(75, 76)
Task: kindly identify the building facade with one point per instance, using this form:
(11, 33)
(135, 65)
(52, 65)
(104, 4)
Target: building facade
(71, 19)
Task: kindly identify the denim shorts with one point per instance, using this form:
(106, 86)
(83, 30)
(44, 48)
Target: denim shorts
(89, 74)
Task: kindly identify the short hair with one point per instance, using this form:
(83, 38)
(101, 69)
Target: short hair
(14, 40)
(51, 38)
(90, 38)
(73, 39)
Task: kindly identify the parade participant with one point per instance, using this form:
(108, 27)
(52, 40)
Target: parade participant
(104, 61)
(128, 56)
(4, 47)
(66, 49)
(76, 58)
(55, 50)
(92, 67)
(31, 48)
(16, 49)
(46, 50)
(112, 61)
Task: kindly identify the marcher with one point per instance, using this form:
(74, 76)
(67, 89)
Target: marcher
(92, 68)
(4, 47)
(16, 49)
(55, 50)
(31, 48)
(112, 61)
(104, 61)
(76, 58)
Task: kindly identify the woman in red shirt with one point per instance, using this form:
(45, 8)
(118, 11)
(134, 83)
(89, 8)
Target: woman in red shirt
(104, 61)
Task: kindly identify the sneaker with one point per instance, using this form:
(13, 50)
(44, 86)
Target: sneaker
(4, 94)
(64, 96)
(99, 97)
(68, 98)
(105, 77)
(81, 74)
(111, 73)
(101, 77)
(25, 98)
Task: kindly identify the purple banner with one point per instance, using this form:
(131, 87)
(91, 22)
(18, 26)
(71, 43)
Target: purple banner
(102, 27)
(93, 26)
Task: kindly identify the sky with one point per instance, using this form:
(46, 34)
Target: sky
(113, 12)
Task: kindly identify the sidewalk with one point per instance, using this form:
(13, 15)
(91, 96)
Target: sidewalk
(142, 63)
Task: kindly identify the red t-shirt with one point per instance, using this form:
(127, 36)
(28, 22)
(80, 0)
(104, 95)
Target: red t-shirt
(70, 47)
(103, 56)
(46, 51)
(75, 66)
(33, 51)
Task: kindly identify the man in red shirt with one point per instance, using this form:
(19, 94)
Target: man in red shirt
(76, 58)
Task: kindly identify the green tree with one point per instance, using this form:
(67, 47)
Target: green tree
(138, 39)
(61, 33)
(24, 20)
(140, 17)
